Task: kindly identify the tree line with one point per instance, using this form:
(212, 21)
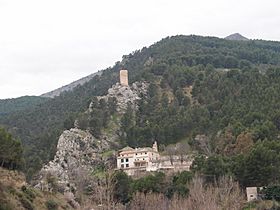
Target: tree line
(220, 96)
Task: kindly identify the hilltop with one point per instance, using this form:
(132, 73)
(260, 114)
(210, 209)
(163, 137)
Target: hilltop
(237, 37)
(198, 85)
(218, 97)
(70, 86)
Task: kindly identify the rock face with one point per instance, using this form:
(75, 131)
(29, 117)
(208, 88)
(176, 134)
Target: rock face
(75, 149)
(79, 150)
(237, 37)
(70, 86)
(125, 95)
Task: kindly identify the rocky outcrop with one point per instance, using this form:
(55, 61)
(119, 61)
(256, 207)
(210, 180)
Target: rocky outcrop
(126, 95)
(236, 37)
(75, 149)
(78, 150)
(70, 86)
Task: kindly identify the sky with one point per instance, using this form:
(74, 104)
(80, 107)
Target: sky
(47, 44)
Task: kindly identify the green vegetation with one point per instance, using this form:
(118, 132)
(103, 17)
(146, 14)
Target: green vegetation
(240, 100)
(125, 188)
(10, 151)
(99, 117)
(51, 205)
(121, 187)
(259, 167)
(198, 85)
(153, 183)
(8, 106)
(39, 127)
(15, 194)
(271, 193)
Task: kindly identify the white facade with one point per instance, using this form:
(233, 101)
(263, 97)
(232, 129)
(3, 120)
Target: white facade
(144, 159)
(130, 159)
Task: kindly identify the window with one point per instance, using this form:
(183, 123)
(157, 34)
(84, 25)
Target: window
(145, 153)
(122, 166)
(126, 159)
(136, 153)
(127, 165)
(143, 158)
(121, 160)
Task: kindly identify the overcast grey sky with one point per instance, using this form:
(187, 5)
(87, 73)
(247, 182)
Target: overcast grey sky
(45, 44)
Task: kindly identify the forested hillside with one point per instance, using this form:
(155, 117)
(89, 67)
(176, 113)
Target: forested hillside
(198, 86)
(39, 127)
(8, 106)
(239, 100)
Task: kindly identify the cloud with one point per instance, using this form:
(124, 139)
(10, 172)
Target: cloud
(47, 44)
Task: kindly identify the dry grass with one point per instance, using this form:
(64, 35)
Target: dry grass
(16, 194)
(224, 195)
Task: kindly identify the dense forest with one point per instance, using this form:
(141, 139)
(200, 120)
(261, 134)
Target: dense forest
(222, 89)
(10, 151)
(235, 100)
(8, 106)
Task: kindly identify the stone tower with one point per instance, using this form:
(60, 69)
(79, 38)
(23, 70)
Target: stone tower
(124, 77)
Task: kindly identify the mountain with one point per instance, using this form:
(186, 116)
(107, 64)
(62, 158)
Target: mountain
(70, 86)
(198, 86)
(218, 97)
(237, 37)
(8, 106)
(86, 146)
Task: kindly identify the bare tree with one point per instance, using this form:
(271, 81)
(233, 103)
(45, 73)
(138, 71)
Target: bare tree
(182, 149)
(171, 152)
(82, 180)
(225, 194)
(149, 201)
(203, 144)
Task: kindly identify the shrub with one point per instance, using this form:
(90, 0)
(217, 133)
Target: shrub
(29, 194)
(5, 206)
(271, 193)
(51, 205)
(26, 203)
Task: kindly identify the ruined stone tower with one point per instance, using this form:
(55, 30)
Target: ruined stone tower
(124, 77)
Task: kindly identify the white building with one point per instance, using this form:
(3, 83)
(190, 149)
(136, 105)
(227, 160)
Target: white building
(137, 160)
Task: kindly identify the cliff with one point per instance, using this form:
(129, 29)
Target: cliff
(79, 151)
(125, 95)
